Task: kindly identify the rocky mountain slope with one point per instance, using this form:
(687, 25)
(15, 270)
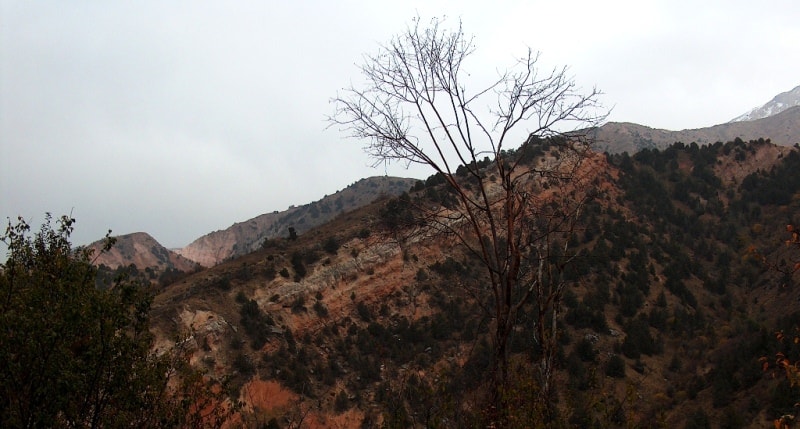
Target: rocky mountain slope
(664, 324)
(245, 237)
(143, 251)
(616, 137)
(778, 104)
(778, 121)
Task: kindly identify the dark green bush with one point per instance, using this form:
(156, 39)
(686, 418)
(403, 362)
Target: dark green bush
(342, 403)
(363, 311)
(320, 309)
(615, 367)
(244, 365)
(331, 245)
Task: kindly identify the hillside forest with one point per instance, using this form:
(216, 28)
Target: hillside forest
(679, 310)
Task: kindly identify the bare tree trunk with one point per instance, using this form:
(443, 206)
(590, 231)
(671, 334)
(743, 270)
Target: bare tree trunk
(416, 108)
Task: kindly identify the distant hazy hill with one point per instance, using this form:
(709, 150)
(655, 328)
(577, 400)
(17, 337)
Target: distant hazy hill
(617, 137)
(142, 250)
(778, 104)
(244, 237)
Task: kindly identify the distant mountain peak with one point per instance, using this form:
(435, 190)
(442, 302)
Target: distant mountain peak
(141, 250)
(245, 237)
(781, 128)
(777, 105)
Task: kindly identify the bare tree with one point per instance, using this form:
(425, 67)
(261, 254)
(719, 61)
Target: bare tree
(415, 107)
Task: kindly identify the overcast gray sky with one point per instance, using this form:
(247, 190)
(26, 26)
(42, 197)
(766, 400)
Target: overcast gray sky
(182, 117)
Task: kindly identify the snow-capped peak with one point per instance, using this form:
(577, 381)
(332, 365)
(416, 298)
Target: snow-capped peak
(777, 105)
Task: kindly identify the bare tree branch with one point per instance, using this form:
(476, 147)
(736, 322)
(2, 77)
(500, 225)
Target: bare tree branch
(512, 213)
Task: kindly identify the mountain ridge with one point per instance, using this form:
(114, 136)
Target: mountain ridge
(244, 237)
(778, 124)
(778, 104)
(141, 250)
(616, 137)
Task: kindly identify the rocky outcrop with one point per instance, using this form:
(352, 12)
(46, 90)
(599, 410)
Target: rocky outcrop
(239, 239)
(245, 237)
(141, 250)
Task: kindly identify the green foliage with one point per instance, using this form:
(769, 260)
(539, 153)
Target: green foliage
(222, 282)
(244, 365)
(256, 324)
(398, 213)
(582, 315)
(615, 367)
(775, 187)
(293, 371)
(320, 309)
(169, 276)
(363, 311)
(630, 298)
(448, 268)
(331, 245)
(585, 350)
(722, 391)
(75, 355)
(578, 374)
(299, 304)
(638, 340)
(270, 273)
(698, 420)
(342, 402)
(298, 265)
